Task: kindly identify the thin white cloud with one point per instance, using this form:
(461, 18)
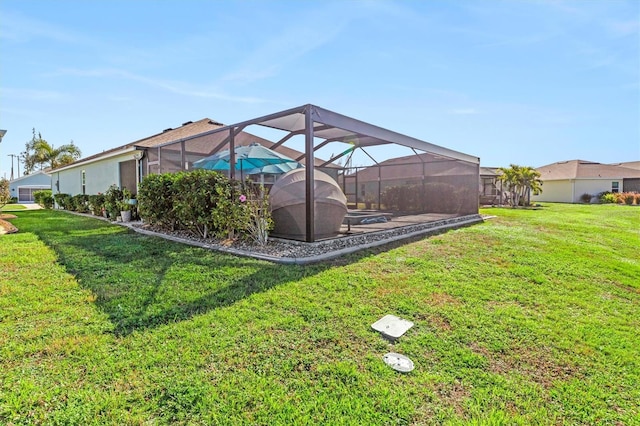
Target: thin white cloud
(19, 28)
(31, 94)
(464, 111)
(176, 87)
(292, 43)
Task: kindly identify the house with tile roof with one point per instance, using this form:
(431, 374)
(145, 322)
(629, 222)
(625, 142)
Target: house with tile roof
(172, 150)
(567, 181)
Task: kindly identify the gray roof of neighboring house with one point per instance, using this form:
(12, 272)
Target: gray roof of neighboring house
(629, 164)
(581, 169)
(489, 171)
(32, 175)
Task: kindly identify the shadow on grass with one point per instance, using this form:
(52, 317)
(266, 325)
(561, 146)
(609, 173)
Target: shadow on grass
(142, 282)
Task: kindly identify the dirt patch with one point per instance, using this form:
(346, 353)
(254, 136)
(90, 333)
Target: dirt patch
(536, 364)
(455, 395)
(442, 299)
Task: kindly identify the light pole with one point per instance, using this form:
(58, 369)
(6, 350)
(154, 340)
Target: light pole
(2, 133)
(12, 157)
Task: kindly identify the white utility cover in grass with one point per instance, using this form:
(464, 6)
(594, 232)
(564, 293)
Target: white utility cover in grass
(391, 326)
(398, 362)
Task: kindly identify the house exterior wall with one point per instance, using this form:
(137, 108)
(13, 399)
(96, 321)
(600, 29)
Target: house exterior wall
(570, 190)
(594, 187)
(556, 191)
(34, 181)
(99, 176)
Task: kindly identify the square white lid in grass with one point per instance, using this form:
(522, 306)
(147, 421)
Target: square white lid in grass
(391, 326)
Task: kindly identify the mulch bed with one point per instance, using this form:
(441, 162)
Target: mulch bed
(6, 227)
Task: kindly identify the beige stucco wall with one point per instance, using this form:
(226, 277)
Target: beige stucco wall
(569, 191)
(558, 191)
(99, 176)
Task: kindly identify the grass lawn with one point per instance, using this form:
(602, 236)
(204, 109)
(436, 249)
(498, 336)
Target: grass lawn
(528, 318)
(12, 208)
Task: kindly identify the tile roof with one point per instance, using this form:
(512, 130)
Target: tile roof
(629, 165)
(581, 169)
(190, 130)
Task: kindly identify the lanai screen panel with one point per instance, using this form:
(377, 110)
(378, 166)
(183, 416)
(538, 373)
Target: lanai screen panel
(414, 185)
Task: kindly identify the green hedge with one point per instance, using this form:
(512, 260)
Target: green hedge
(203, 202)
(63, 201)
(44, 198)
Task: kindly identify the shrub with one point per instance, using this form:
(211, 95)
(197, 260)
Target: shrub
(96, 204)
(255, 214)
(608, 198)
(44, 198)
(585, 198)
(155, 200)
(112, 199)
(63, 201)
(5, 195)
(628, 198)
(80, 203)
(205, 203)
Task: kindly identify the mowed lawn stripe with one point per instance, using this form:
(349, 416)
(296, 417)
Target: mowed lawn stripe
(528, 318)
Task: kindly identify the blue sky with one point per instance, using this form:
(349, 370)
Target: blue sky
(525, 82)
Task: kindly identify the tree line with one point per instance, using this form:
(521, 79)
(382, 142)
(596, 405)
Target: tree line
(40, 154)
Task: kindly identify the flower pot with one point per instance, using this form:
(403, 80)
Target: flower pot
(126, 215)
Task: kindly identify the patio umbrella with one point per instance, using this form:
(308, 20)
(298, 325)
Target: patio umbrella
(251, 159)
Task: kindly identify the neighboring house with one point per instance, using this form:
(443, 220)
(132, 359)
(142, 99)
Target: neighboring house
(490, 186)
(630, 184)
(23, 187)
(125, 166)
(567, 181)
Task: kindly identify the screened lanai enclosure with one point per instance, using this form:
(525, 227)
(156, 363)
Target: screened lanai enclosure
(383, 175)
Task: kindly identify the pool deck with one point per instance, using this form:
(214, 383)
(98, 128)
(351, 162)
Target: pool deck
(395, 222)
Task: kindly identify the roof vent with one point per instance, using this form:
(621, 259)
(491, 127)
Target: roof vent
(215, 123)
(187, 122)
(166, 130)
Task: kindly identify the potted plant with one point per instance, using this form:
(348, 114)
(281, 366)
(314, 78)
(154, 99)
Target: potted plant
(125, 210)
(125, 205)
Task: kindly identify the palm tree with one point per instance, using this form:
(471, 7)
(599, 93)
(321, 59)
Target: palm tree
(520, 181)
(39, 153)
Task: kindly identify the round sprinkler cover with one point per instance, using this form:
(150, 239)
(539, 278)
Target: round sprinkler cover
(398, 362)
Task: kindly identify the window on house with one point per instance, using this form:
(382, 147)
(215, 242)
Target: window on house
(84, 182)
(615, 186)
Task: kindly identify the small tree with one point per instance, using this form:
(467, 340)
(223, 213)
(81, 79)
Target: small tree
(520, 181)
(40, 154)
(5, 194)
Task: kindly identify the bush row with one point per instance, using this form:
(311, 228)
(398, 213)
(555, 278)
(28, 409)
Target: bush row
(109, 204)
(607, 197)
(206, 204)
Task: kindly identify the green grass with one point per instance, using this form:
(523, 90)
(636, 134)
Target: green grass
(528, 318)
(12, 208)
